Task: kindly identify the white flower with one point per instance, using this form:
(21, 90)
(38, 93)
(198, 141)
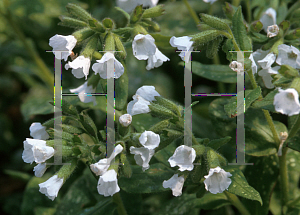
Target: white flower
(156, 60)
(268, 18)
(141, 100)
(102, 165)
(36, 150)
(143, 46)
(266, 76)
(83, 90)
(175, 183)
(37, 131)
(125, 120)
(80, 66)
(183, 44)
(217, 180)
(62, 43)
(255, 57)
(288, 55)
(287, 102)
(101, 67)
(183, 157)
(236, 66)
(129, 5)
(210, 1)
(142, 156)
(272, 31)
(149, 139)
(108, 183)
(267, 61)
(51, 187)
(40, 169)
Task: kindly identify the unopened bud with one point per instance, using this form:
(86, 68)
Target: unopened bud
(236, 66)
(125, 120)
(283, 136)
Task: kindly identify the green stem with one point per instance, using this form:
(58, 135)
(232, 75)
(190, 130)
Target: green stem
(248, 6)
(284, 181)
(192, 12)
(43, 72)
(117, 199)
(237, 203)
(295, 128)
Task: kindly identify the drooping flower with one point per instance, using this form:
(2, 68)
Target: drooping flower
(149, 139)
(129, 5)
(217, 180)
(266, 76)
(102, 165)
(51, 187)
(268, 18)
(175, 183)
(143, 46)
(101, 67)
(147, 92)
(36, 150)
(83, 91)
(40, 169)
(288, 55)
(37, 131)
(255, 57)
(108, 183)
(80, 66)
(183, 44)
(183, 157)
(287, 102)
(156, 60)
(272, 31)
(125, 120)
(142, 156)
(62, 43)
(236, 66)
(267, 61)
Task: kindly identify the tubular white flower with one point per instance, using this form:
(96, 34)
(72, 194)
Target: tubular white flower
(267, 61)
(149, 139)
(51, 187)
(288, 55)
(287, 102)
(142, 156)
(183, 44)
(272, 31)
(102, 165)
(40, 169)
(143, 46)
(156, 60)
(80, 66)
(147, 92)
(236, 66)
(175, 183)
(129, 5)
(108, 183)
(83, 90)
(183, 157)
(62, 43)
(217, 180)
(266, 76)
(101, 67)
(268, 18)
(125, 120)
(37, 131)
(255, 57)
(36, 150)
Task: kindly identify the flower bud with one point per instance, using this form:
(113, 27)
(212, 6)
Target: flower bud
(108, 23)
(90, 47)
(71, 22)
(119, 45)
(214, 22)
(158, 127)
(160, 111)
(125, 120)
(205, 37)
(109, 42)
(78, 12)
(154, 12)
(83, 34)
(96, 25)
(136, 14)
(168, 104)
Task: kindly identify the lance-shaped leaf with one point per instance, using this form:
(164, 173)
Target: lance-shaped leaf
(267, 102)
(71, 22)
(217, 23)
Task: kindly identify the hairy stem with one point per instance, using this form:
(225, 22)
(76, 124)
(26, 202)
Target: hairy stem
(237, 203)
(284, 181)
(192, 12)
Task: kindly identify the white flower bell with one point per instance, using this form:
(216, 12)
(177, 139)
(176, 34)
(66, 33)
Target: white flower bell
(217, 180)
(267, 61)
(175, 183)
(62, 43)
(101, 67)
(183, 157)
(268, 18)
(287, 102)
(156, 60)
(40, 169)
(108, 183)
(102, 165)
(143, 46)
(129, 5)
(125, 120)
(255, 57)
(183, 44)
(288, 55)
(51, 187)
(83, 91)
(149, 139)
(36, 150)
(267, 70)
(80, 66)
(272, 31)
(37, 131)
(142, 156)
(147, 92)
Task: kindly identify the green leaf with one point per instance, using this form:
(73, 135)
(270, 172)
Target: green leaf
(239, 185)
(136, 14)
(154, 12)
(164, 154)
(142, 122)
(213, 47)
(18, 175)
(69, 109)
(106, 206)
(78, 12)
(205, 36)
(267, 102)
(227, 47)
(121, 91)
(220, 73)
(259, 38)
(44, 211)
(256, 26)
(88, 123)
(213, 201)
(229, 10)
(250, 96)
(216, 144)
(146, 182)
(71, 22)
(294, 143)
(214, 22)
(288, 71)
